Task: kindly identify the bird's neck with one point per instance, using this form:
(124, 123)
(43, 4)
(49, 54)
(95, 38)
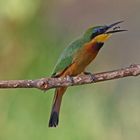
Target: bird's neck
(98, 46)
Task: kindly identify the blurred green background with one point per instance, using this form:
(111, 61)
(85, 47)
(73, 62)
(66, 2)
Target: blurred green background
(32, 35)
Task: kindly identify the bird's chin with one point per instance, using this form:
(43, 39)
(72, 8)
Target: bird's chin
(102, 38)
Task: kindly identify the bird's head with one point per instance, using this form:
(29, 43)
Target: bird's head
(102, 33)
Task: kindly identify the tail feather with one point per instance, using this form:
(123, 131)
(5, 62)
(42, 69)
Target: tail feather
(54, 118)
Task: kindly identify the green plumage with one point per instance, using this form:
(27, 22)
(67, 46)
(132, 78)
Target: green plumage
(67, 55)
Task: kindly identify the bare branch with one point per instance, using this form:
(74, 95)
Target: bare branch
(49, 83)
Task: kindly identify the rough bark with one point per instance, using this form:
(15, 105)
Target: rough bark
(49, 83)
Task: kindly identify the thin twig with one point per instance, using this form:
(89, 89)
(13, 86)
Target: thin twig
(49, 83)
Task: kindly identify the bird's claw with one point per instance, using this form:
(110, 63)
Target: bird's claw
(70, 78)
(93, 78)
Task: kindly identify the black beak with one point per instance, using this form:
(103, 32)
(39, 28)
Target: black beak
(115, 29)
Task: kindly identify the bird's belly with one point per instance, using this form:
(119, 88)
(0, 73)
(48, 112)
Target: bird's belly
(85, 61)
(80, 64)
(82, 59)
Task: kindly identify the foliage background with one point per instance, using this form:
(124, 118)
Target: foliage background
(32, 35)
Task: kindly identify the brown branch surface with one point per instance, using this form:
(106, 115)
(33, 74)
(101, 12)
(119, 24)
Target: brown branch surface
(49, 83)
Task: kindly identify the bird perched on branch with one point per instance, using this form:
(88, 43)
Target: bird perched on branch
(76, 57)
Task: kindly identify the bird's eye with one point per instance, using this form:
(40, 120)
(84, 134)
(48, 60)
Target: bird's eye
(98, 31)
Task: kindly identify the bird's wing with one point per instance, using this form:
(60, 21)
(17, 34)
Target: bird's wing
(67, 55)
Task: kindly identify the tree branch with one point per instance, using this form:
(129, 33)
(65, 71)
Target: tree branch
(49, 83)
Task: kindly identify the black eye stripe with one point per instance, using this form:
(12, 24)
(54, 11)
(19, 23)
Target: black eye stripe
(94, 35)
(98, 31)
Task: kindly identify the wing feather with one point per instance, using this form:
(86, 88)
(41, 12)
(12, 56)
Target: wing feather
(66, 58)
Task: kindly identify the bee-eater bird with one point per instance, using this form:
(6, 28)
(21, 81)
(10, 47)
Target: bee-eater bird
(76, 57)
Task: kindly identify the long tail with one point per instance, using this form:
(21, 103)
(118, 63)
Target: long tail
(54, 118)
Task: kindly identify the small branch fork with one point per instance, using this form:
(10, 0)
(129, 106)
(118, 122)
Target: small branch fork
(49, 83)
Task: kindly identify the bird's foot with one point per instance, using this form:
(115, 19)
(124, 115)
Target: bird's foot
(93, 78)
(70, 78)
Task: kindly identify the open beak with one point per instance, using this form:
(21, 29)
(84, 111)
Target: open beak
(109, 30)
(115, 28)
